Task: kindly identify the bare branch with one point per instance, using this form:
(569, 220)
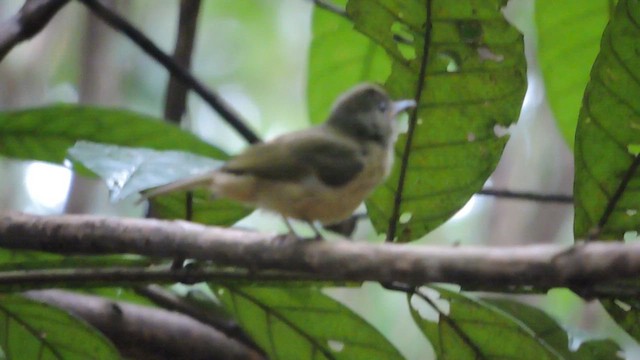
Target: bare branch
(542, 266)
(524, 195)
(146, 333)
(176, 96)
(331, 7)
(213, 99)
(170, 301)
(32, 17)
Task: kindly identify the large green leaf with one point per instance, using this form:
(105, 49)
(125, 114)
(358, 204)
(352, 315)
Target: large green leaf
(46, 133)
(469, 78)
(32, 330)
(302, 323)
(476, 329)
(607, 185)
(569, 34)
(339, 58)
(548, 331)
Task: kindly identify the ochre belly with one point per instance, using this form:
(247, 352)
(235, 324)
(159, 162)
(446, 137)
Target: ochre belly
(308, 200)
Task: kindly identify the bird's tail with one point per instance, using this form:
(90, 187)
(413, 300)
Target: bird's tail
(191, 183)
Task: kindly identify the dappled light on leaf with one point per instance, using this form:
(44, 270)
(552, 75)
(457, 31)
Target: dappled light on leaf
(303, 323)
(468, 331)
(606, 176)
(31, 330)
(468, 75)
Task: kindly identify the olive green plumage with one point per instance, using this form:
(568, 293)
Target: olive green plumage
(320, 173)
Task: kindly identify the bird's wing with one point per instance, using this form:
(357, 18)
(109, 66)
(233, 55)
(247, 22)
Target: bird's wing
(290, 158)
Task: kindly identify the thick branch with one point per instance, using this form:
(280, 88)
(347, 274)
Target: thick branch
(220, 322)
(146, 333)
(541, 266)
(33, 16)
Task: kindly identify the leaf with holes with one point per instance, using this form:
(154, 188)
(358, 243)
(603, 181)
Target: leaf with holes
(470, 328)
(607, 183)
(338, 59)
(465, 66)
(565, 60)
(32, 330)
(302, 323)
(46, 133)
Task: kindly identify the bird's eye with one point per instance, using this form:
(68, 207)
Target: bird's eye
(382, 106)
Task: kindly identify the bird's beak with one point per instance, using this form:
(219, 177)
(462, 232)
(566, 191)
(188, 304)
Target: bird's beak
(401, 105)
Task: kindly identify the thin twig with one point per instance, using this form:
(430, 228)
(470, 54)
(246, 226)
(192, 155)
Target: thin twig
(213, 99)
(524, 195)
(413, 120)
(331, 7)
(17, 280)
(32, 17)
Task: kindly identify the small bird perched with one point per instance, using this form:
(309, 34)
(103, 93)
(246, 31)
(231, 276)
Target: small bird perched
(318, 174)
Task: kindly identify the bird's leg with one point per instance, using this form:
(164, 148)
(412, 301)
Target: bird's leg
(292, 232)
(318, 235)
(290, 236)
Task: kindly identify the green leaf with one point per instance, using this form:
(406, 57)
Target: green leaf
(607, 185)
(32, 260)
(474, 329)
(31, 330)
(46, 133)
(302, 323)
(338, 59)
(471, 92)
(22, 260)
(569, 34)
(626, 313)
(206, 210)
(548, 331)
(128, 170)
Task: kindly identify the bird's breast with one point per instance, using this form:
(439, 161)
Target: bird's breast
(311, 199)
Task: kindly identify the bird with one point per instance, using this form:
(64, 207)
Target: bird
(322, 173)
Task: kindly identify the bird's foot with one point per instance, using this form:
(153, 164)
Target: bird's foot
(287, 238)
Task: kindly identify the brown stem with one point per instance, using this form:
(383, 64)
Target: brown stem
(470, 266)
(147, 333)
(176, 96)
(32, 17)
